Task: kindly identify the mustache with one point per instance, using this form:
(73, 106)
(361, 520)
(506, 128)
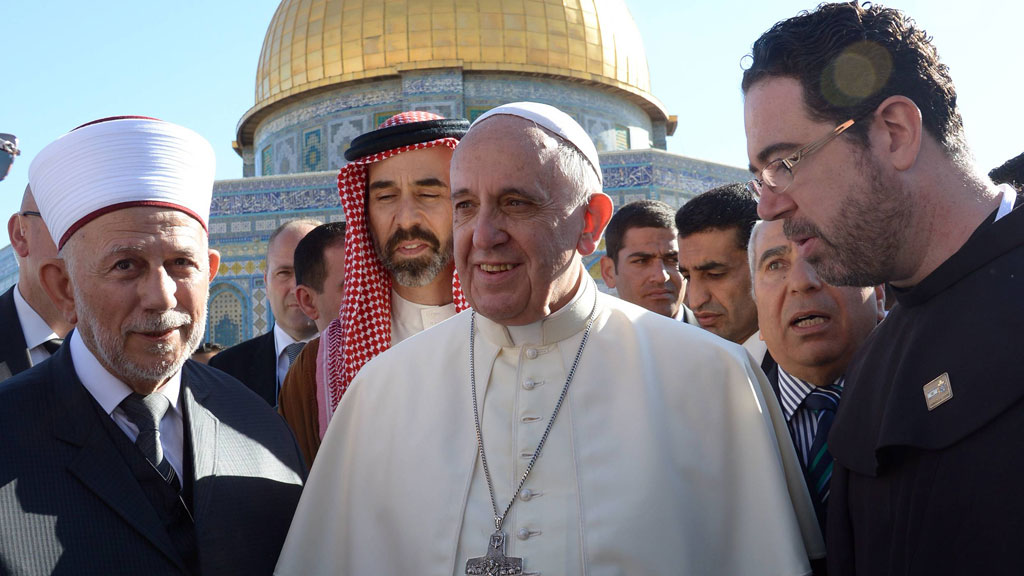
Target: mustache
(414, 233)
(161, 322)
(800, 228)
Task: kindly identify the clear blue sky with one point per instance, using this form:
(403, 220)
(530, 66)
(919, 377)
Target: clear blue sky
(194, 63)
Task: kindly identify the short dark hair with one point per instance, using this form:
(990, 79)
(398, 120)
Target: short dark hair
(639, 214)
(849, 58)
(310, 268)
(1011, 172)
(722, 208)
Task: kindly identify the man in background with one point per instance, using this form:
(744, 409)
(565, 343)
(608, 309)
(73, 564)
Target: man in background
(812, 330)
(641, 260)
(714, 229)
(398, 261)
(261, 363)
(320, 273)
(33, 328)
(8, 150)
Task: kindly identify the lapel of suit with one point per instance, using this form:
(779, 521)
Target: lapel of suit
(267, 369)
(771, 370)
(14, 355)
(203, 432)
(98, 464)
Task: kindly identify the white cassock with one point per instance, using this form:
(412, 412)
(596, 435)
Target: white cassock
(662, 460)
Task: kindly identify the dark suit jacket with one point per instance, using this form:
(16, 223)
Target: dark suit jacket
(14, 355)
(254, 362)
(69, 503)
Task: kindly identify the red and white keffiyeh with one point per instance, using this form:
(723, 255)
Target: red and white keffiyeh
(363, 328)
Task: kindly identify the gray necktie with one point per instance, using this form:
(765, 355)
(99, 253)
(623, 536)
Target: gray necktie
(146, 412)
(292, 351)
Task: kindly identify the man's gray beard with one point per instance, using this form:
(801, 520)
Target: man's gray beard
(109, 347)
(418, 272)
(871, 227)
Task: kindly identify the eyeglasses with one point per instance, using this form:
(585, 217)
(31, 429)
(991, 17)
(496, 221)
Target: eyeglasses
(777, 176)
(30, 213)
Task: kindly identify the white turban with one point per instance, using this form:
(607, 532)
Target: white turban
(554, 120)
(118, 163)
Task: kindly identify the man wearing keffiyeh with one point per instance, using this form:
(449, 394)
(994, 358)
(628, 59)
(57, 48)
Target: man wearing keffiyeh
(399, 273)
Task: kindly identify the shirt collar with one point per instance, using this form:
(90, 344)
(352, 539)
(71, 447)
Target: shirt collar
(282, 339)
(558, 326)
(756, 347)
(409, 318)
(793, 390)
(106, 388)
(1008, 197)
(35, 329)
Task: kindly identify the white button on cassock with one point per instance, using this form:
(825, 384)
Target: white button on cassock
(529, 384)
(531, 353)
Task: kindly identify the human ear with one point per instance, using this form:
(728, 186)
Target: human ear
(608, 271)
(53, 275)
(595, 219)
(899, 127)
(16, 233)
(214, 264)
(304, 296)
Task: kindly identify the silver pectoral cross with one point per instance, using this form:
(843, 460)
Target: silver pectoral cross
(495, 563)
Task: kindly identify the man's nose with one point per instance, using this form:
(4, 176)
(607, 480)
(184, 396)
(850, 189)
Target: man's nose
(487, 230)
(773, 205)
(158, 291)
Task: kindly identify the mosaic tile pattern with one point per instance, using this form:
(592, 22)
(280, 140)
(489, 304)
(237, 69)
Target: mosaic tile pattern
(312, 152)
(341, 114)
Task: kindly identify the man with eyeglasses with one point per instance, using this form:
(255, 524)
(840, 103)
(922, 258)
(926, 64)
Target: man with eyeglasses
(32, 327)
(926, 471)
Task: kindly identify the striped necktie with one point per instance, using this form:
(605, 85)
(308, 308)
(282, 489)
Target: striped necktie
(818, 472)
(146, 412)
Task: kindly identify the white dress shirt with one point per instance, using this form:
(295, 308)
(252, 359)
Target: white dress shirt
(409, 318)
(109, 392)
(35, 329)
(281, 341)
(756, 347)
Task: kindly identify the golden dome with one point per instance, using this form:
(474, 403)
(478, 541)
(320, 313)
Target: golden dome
(311, 44)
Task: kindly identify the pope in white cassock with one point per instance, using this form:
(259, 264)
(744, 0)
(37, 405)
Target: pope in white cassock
(551, 429)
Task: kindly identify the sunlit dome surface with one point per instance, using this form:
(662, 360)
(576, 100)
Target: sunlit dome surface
(314, 44)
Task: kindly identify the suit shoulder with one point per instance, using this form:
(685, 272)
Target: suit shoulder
(22, 394)
(240, 353)
(220, 381)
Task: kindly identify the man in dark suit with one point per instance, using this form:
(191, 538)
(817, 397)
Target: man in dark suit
(641, 260)
(812, 329)
(120, 455)
(261, 363)
(33, 327)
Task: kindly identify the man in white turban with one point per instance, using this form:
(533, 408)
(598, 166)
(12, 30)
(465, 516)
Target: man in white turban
(120, 455)
(551, 429)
